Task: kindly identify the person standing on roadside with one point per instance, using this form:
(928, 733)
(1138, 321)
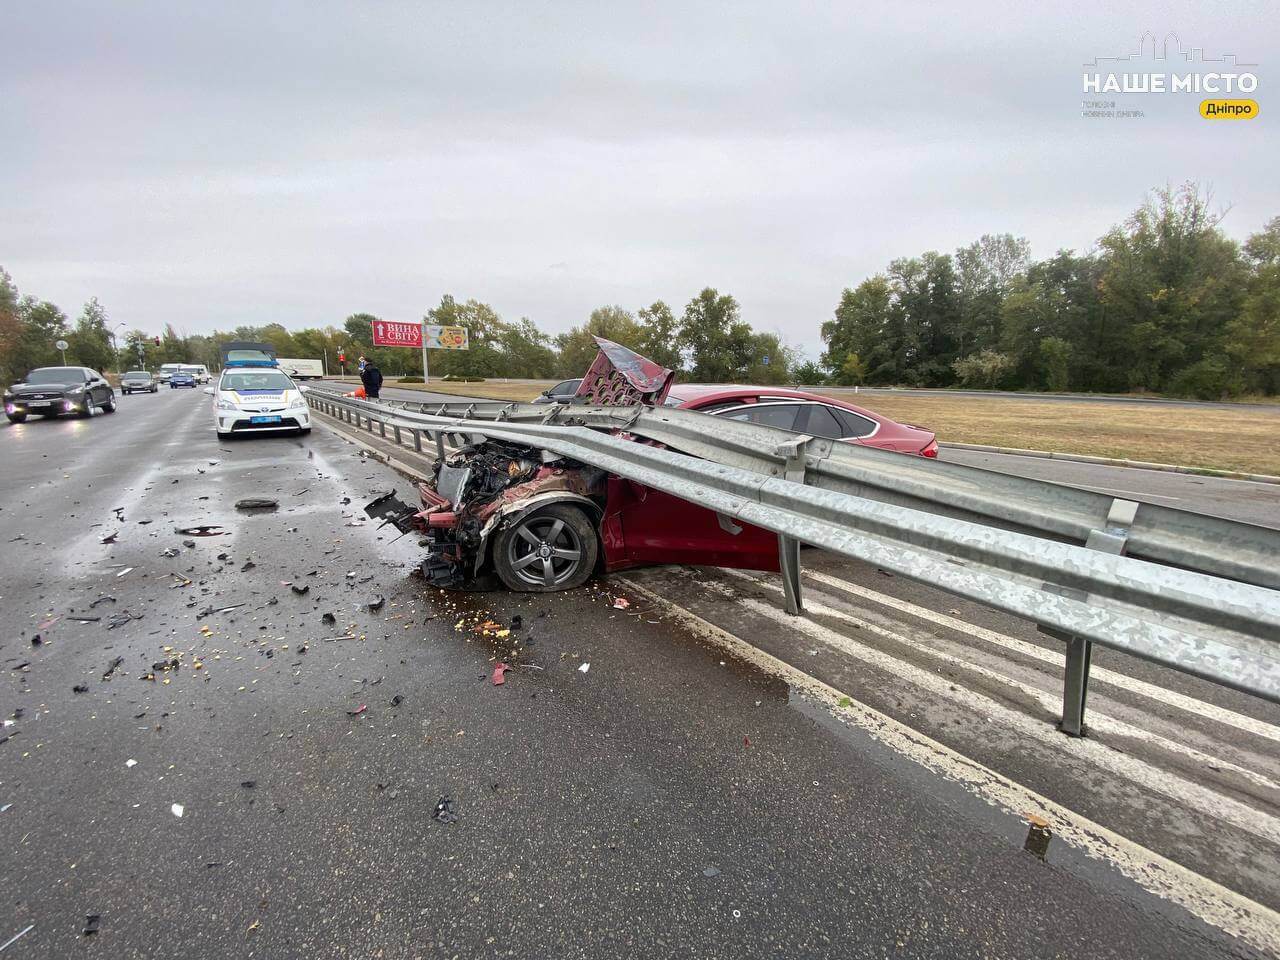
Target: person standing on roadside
(371, 377)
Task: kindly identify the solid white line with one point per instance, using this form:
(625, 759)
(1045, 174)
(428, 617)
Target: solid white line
(1160, 694)
(1205, 899)
(1208, 802)
(1050, 702)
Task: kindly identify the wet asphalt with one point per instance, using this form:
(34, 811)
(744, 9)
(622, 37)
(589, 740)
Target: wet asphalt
(360, 788)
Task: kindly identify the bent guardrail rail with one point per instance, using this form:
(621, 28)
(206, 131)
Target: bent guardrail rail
(1224, 630)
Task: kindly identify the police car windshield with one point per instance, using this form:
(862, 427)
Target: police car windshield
(242, 380)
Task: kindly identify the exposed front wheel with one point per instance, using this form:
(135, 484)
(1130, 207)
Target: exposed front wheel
(552, 549)
(110, 405)
(89, 409)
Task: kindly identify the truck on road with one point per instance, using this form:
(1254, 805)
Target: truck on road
(301, 369)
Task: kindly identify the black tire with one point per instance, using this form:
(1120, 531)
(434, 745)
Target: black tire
(155, 389)
(110, 405)
(551, 549)
(89, 409)
(16, 417)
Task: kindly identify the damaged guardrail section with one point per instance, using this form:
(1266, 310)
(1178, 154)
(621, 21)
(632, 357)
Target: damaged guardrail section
(831, 495)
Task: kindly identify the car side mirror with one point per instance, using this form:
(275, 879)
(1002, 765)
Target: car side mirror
(210, 391)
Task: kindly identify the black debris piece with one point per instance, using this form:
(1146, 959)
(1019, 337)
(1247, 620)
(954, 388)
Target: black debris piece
(119, 512)
(162, 665)
(80, 688)
(376, 605)
(301, 591)
(102, 599)
(83, 619)
(248, 784)
(36, 640)
(203, 530)
(121, 618)
(445, 812)
(248, 565)
(254, 504)
(397, 700)
(111, 537)
(91, 924)
(517, 621)
(328, 619)
(188, 543)
(112, 667)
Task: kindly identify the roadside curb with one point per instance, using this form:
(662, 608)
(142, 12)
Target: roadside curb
(1113, 462)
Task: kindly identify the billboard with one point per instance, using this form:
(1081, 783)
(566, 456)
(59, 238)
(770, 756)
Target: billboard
(446, 338)
(393, 333)
(390, 333)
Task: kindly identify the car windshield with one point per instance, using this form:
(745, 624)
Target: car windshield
(56, 375)
(137, 375)
(256, 380)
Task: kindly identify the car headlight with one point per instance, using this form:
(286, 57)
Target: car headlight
(226, 405)
(76, 390)
(298, 404)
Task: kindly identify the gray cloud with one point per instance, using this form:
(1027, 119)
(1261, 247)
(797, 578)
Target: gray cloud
(297, 162)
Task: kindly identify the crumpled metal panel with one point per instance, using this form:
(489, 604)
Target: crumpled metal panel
(619, 377)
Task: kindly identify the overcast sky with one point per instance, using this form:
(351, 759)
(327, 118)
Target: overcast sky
(224, 163)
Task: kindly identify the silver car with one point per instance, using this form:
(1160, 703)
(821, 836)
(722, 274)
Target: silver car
(138, 381)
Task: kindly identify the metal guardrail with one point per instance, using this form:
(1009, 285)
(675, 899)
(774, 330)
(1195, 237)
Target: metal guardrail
(805, 490)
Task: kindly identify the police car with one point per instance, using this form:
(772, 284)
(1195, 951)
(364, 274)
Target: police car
(254, 396)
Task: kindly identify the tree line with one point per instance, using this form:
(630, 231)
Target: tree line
(1165, 303)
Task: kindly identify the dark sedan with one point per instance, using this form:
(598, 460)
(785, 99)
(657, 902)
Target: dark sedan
(50, 391)
(562, 392)
(182, 378)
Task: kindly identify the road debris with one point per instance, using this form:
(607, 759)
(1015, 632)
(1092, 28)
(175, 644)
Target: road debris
(301, 591)
(121, 618)
(358, 710)
(499, 673)
(376, 605)
(445, 812)
(584, 668)
(328, 619)
(621, 603)
(397, 700)
(17, 936)
(203, 530)
(256, 504)
(102, 599)
(131, 762)
(91, 924)
(248, 784)
(80, 688)
(177, 810)
(123, 572)
(112, 667)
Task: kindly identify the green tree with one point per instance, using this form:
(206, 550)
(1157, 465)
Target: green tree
(808, 374)
(659, 335)
(1252, 339)
(985, 368)
(852, 372)
(90, 341)
(1055, 357)
(719, 343)
(864, 325)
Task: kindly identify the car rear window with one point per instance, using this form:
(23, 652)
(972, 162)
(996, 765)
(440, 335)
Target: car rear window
(769, 414)
(823, 423)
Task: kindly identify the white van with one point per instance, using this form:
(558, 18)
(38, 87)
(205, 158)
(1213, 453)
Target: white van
(167, 370)
(199, 371)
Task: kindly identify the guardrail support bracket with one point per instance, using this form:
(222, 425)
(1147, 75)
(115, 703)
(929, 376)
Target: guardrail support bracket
(789, 561)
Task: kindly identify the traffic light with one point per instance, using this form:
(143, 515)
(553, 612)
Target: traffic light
(342, 358)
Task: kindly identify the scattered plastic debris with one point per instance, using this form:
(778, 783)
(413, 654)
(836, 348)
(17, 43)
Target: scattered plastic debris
(91, 924)
(621, 603)
(80, 688)
(112, 667)
(328, 619)
(301, 591)
(584, 668)
(445, 812)
(710, 872)
(358, 710)
(204, 530)
(376, 605)
(248, 565)
(177, 810)
(248, 784)
(131, 762)
(123, 572)
(397, 700)
(499, 673)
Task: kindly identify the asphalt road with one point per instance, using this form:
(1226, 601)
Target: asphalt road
(679, 797)
(1234, 499)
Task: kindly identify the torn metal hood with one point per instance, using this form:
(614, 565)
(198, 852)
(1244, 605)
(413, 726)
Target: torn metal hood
(621, 377)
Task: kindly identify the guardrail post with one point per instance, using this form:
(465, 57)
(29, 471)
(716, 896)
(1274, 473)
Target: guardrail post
(440, 445)
(395, 433)
(789, 547)
(382, 427)
(417, 440)
(1075, 683)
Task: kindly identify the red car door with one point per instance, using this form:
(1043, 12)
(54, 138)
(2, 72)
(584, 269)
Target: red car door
(643, 526)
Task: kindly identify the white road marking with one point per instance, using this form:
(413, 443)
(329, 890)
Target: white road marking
(1237, 915)
(1160, 694)
(1208, 802)
(1050, 702)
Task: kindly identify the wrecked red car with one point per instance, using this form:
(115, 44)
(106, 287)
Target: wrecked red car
(536, 521)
